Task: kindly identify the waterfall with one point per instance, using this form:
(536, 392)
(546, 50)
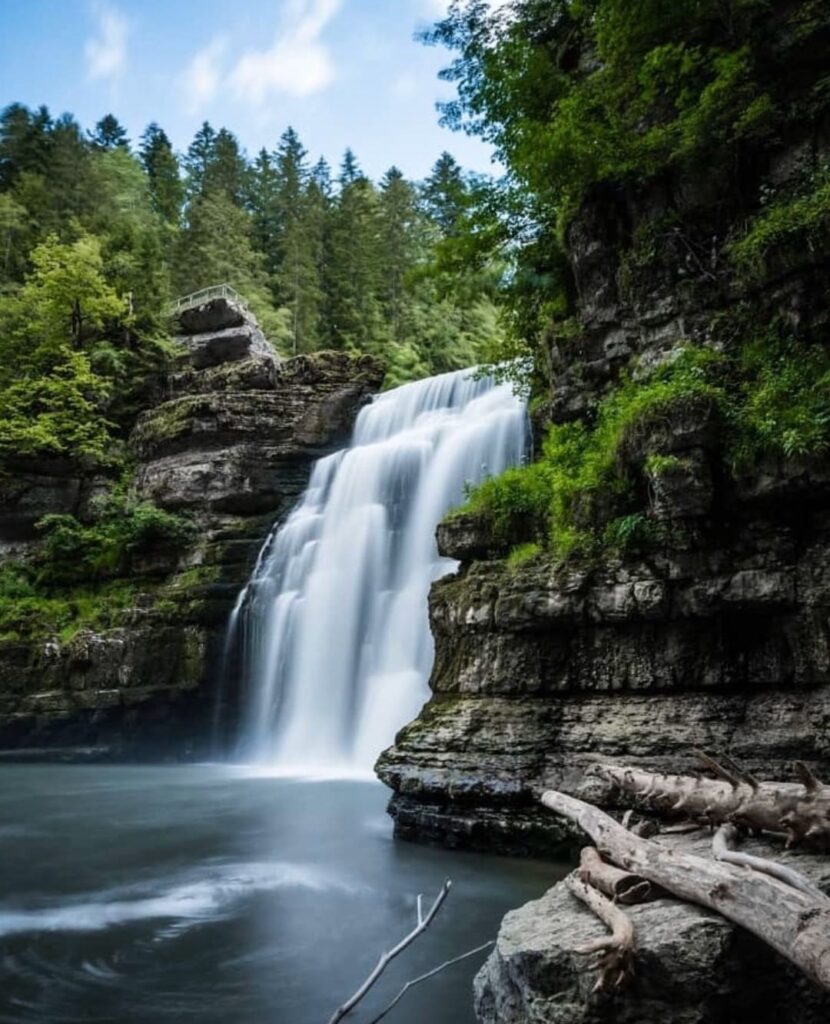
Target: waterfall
(333, 626)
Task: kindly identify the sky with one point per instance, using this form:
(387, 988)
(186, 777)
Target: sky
(341, 72)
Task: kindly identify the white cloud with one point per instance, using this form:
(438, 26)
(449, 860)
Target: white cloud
(298, 63)
(106, 52)
(201, 79)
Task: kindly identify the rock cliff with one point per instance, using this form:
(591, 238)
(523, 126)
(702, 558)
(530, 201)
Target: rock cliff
(230, 444)
(715, 633)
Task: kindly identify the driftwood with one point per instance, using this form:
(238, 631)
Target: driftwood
(427, 976)
(424, 922)
(790, 921)
(799, 810)
(723, 850)
(616, 951)
(618, 885)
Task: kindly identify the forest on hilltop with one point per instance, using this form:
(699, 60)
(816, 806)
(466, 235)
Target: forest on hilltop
(97, 236)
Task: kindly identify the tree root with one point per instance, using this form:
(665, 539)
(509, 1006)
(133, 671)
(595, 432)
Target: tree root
(614, 953)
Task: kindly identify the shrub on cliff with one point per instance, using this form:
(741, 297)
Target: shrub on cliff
(73, 551)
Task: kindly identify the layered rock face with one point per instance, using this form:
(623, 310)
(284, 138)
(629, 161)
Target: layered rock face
(718, 637)
(231, 445)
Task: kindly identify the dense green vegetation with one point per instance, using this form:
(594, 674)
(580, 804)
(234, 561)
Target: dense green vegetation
(95, 239)
(590, 98)
(97, 236)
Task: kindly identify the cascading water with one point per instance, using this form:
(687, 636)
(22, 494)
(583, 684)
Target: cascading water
(333, 627)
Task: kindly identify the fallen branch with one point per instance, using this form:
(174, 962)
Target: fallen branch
(618, 885)
(616, 959)
(722, 848)
(427, 976)
(794, 924)
(388, 957)
(801, 811)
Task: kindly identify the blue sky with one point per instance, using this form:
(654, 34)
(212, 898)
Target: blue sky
(342, 72)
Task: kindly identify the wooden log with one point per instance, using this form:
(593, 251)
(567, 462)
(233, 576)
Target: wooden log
(616, 951)
(801, 812)
(618, 885)
(723, 849)
(788, 920)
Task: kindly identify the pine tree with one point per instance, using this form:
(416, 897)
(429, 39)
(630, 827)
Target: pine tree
(349, 170)
(354, 271)
(226, 169)
(198, 158)
(24, 142)
(445, 194)
(262, 204)
(321, 176)
(297, 260)
(162, 167)
(109, 133)
(399, 224)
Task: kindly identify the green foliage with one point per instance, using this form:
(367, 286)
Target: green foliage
(657, 465)
(792, 223)
(26, 610)
(522, 554)
(74, 552)
(576, 498)
(515, 505)
(668, 83)
(630, 533)
(783, 405)
(51, 399)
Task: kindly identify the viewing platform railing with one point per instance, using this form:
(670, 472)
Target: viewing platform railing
(217, 291)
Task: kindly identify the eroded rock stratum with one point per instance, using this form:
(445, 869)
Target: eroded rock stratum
(229, 443)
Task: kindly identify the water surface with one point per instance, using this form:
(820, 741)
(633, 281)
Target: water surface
(204, 893)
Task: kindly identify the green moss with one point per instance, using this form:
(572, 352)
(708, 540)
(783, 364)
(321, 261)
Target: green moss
(587, 494)
(659, 465)
(522, 554)
(792, 223)
(30, 612)
(168, 420)
(584, 480)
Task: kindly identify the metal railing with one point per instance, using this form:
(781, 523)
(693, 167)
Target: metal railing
(217, 291)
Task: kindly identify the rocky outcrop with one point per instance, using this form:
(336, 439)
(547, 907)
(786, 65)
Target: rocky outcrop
(231, 446)
(692, 966)
(540, 671)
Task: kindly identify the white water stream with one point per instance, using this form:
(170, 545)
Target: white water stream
(333, 624)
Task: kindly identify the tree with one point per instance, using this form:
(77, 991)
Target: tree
(51, 399)
(444, 194)
(198, 158)
(298, 284)
(226, 169)
(109, 134)
(349, 170)
(262, 202)
(161, 165)
(24, 142)
(398, 245)
(12, 226)
(353, 264)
